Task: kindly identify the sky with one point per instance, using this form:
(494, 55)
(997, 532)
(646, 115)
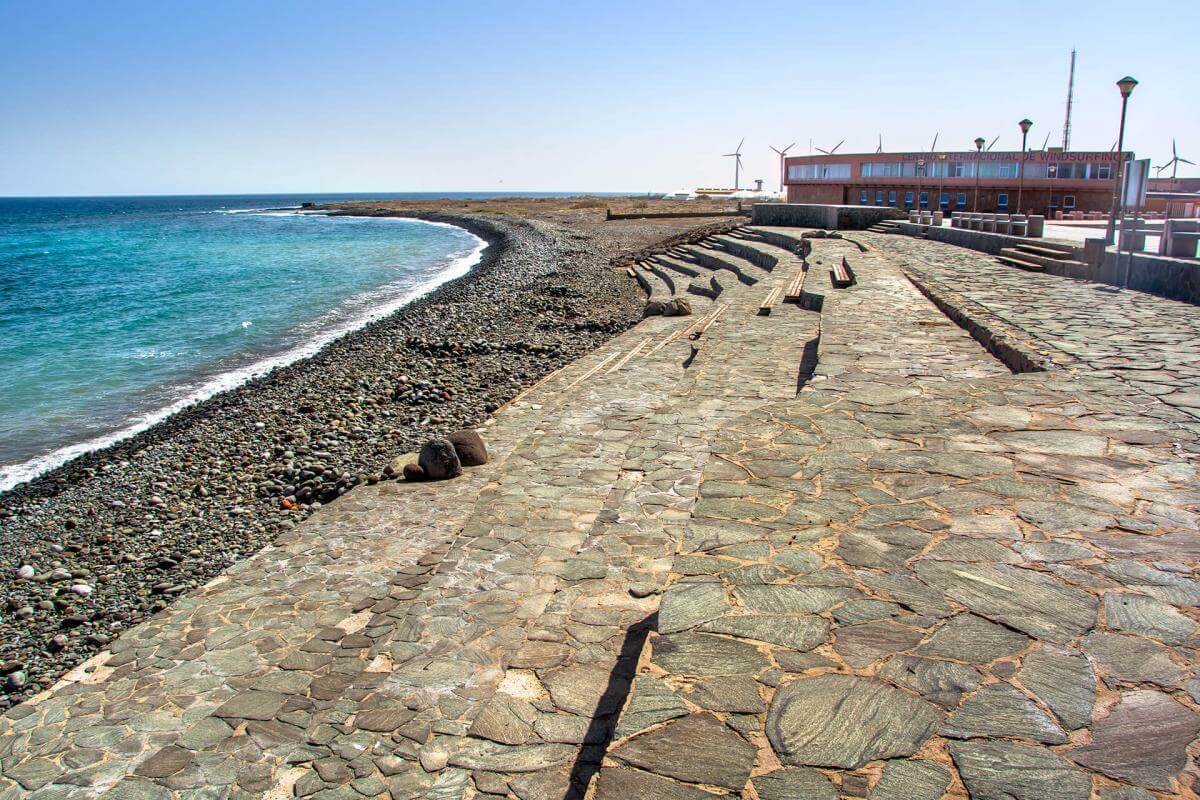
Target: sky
(222, 97)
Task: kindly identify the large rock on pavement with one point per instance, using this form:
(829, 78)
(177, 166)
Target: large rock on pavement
(472, 452)
(1143, 740)
(1007, 771)
(439, 460)
(697, 749)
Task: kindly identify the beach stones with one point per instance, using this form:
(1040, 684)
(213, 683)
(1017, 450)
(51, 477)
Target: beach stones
(439, 460)
(675, 307)
(469, 446)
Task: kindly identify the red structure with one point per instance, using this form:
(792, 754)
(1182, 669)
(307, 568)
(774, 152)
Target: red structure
(1053, 181)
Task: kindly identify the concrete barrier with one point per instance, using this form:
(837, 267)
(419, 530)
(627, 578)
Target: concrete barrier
(984, 242)
(1173, 278)
(811, 215)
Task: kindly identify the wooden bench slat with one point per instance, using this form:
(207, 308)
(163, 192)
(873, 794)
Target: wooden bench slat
(768, 302)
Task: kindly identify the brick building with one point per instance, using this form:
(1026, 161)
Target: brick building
(1054, 180)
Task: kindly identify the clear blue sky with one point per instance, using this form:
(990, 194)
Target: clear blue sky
(298, 96)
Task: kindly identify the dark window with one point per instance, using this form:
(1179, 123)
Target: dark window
(945, 200)
(1104, 172)
(891, 198)
(961, 200)
(908, 198)
(924, 199)
(1002, 200)
(1069, 201)
(862, 198)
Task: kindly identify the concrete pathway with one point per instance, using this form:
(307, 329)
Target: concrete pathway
(844, 553)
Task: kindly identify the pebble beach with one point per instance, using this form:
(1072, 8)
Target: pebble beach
(113, 536)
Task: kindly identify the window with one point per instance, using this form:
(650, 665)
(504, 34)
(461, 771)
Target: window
(1002, 200)
(960, 170)
(1035, 169)
(924, 199)
(998, 169)
(887, 170)
(1054, 201)
(862, 198)
(908, 199)
(1069, 201)
(879, 198)
(891, 198)
(945, 200)
(1104, 172)
(818, 172)
(960, 201)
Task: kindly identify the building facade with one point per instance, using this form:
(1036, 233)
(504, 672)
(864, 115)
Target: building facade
(966, 181)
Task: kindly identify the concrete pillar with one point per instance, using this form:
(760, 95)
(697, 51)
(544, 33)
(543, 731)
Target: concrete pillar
(1037, 226)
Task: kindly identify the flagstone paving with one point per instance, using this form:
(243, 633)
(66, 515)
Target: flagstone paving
(832, 554)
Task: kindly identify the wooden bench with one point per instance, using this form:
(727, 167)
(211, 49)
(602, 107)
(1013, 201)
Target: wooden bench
(707, 322)
(768, 302)
(795, 289)
(842, 274)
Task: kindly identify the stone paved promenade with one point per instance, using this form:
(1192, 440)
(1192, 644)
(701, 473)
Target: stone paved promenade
(834, 553)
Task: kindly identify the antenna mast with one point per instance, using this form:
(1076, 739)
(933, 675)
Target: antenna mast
(1070, 98)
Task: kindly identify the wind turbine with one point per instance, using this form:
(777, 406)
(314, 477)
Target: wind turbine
(736, 155)
(993, 144)
(833, 149)
(933, 146)
(782, 154)
(1174, 162)
(1046, 142)
(879, 149)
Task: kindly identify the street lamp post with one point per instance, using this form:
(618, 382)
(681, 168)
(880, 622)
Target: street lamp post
(1126, 85)
(1025, 124)
(979, 143)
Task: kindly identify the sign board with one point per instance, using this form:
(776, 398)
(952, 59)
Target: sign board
(1137, 174)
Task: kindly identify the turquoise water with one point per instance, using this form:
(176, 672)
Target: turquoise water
(116, 311)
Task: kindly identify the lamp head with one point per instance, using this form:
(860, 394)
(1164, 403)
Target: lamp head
(1126, 86)
(1025, 124)
(980, 142)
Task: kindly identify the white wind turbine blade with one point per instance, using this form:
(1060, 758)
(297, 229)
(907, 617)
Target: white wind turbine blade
(993, 144)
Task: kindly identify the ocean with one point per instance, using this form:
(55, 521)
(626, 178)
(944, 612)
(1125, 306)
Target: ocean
(114, 312)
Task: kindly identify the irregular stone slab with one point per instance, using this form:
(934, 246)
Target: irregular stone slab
(1062, 442)
(1125, 793)
(1061, 517)
(1143, 740)
(1148, 616)
(251, 705)
(652, 702)
(734, 693)
(797, 632)
(622, 783)
(864, 644)
(1054, 551)
(845, 721)
(1009, 771)
(686, 605)
(504, 719)
(586, 689)
(1028, 601)
(973, 639)
(911, 780)
(904, 588)
(1063, 681)
(1131, 658)
(495, 757)
(700, 654)
(1000, 710)
(1167, 586)
(881, 548)
(965, 548)
(792, 599)
(956, 465)
(794, 783)
(698, 749)
(941, 682)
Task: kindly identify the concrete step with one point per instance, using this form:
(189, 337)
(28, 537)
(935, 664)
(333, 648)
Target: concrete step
(717, 259)
(1019, 263)
(1038, 256)
(651, 284)
(1056, 251)
(678, 265)
(710, 287)
(663, 275)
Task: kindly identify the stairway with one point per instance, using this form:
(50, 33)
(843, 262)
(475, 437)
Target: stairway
(885, 226)
(1036, 257)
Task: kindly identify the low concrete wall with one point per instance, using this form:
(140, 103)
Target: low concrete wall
(811, 215)
(984, 242)
(1173, 278)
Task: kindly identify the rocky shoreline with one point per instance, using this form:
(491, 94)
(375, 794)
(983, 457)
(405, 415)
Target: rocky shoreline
(98, 544)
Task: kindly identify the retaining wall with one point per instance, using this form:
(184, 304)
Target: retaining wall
(1173, 278)
(811, 215)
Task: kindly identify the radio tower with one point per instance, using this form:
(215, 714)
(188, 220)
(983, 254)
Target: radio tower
(1070, 96)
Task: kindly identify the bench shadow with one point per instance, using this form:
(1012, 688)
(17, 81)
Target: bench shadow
(808, 362)
(600, 731)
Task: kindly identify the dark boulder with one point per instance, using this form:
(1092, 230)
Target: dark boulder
(470, 447)
(677, 307)
(413, 472)
(439, 460)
